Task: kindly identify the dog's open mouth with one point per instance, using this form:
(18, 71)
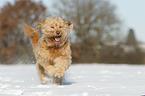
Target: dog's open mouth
(57, 38)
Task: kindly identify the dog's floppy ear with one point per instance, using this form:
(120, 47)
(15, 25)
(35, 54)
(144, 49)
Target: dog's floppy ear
(69, 24)
(39, 25)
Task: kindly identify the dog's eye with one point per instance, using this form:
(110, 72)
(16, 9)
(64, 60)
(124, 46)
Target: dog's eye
(52, 27)
(60, 26)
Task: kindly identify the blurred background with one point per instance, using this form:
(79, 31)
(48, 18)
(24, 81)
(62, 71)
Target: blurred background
(105, 31)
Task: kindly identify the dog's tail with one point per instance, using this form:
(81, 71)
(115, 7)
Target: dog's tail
(34, 36)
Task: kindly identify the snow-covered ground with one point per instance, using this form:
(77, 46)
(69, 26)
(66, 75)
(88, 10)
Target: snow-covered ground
(79, 80)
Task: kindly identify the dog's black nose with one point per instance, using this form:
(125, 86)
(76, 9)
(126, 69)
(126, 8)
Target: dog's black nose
(57, 32)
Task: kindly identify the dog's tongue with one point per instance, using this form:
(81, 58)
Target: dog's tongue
(57, 39)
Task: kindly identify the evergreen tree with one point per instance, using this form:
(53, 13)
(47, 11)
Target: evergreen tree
(131, 40)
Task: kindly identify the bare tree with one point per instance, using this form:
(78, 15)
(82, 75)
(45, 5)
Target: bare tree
(12, 39)
(93, 20)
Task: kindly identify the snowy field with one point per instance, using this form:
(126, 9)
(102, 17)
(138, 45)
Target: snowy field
(79, 80)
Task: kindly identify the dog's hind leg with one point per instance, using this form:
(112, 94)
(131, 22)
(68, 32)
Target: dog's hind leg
(41, 73)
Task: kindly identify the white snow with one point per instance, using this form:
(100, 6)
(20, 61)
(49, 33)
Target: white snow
(79, 80)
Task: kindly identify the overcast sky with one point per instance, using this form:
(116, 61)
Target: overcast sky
(131, 12)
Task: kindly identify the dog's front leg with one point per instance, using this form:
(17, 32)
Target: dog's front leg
(61, 65)
(48, 68)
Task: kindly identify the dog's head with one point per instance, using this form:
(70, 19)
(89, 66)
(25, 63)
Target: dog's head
(55, 30)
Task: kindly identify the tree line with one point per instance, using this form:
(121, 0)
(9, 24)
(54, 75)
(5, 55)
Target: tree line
(93, 37)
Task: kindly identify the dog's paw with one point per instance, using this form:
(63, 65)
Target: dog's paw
(59, 72)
